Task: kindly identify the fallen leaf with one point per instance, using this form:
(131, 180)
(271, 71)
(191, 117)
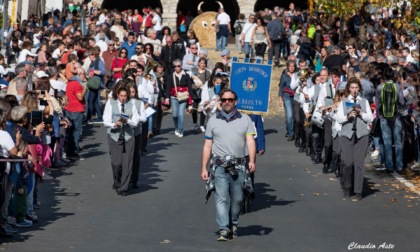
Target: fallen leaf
(394, 200)
(316, 194)
(165, 241)
(333, 179)
(409, 206)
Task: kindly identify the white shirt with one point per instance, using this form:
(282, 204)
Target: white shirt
(247, 30)
(6, 144)
(142, 112)
(107, 116)
(102, 18)
(157, 45)
(102, 45)
(157, 26)
(223, 18)
(342, 118)
(56, 53)
(146, 90)
(22, 55)
(323, 93)
(59, 85)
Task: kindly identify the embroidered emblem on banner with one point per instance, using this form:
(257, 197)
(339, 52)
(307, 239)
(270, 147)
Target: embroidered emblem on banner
(249, 85)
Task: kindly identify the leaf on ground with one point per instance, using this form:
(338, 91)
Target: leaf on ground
(333, 179)
(165, 241)
(316, 194)
(394, 200)
(409, 206)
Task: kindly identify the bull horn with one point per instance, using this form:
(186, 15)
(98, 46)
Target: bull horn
(221, 5)
(199, 6)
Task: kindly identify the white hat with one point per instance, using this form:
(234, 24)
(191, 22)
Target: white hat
(41, 74)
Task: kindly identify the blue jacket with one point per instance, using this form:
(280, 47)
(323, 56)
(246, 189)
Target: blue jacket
(259, 126)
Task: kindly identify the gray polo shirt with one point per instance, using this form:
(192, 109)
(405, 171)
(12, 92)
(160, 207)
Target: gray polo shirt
(229, 138)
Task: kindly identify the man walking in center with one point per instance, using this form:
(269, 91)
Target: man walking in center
(228, 134)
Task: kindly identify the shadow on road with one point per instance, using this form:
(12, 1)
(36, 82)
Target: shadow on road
(263, 198)
(254, 230)
(150, 171)
(51, 195)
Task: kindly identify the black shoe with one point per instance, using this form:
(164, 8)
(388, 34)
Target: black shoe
(302, 149)
(346, 193)
(308, 151)
(134, 186)
(224, 235)
(291, 138)
(123, 193)
(318, 159)
(337, 173)
(297, 143)
(357, 197)
(287, 135)
(325, 169)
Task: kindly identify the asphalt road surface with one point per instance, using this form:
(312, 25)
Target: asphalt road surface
(297, 208)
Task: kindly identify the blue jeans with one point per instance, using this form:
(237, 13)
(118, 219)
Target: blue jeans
(228, 196)
(94, 106)
(288, 107)
(74, 132)
(178, 112)
(392, 131)
(247, 49)
(150, 122)
(222, 46)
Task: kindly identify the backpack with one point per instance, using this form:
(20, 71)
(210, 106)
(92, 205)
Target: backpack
(388, 98)
(238, 29)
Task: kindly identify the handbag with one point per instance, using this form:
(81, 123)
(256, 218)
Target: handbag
(180, 96)
(94, 83)
(196, 94)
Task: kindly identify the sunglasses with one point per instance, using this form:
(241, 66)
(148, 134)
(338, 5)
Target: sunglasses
(229, 100)
(111, 45)
(148, 48)
(123, 53)
(138, 48)
(193, 48)
(178, 66)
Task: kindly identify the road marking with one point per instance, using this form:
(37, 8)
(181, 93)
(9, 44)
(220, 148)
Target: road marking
(405, 182)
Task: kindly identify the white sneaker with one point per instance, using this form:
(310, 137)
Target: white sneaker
(202, 129)
(176, 133)
(375, 153)
(180, 135)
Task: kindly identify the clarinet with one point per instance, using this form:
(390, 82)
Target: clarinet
(355, 117)
(121, 137)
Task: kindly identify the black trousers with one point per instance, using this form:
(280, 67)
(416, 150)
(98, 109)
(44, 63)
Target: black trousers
(328, 142)
(260, 49)
(354, 152)
(121, 162)
(299, 117)
(144, 131)
(317, 138)
(136, 159)
(195, 113)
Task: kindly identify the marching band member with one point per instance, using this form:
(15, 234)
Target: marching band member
(354, 114)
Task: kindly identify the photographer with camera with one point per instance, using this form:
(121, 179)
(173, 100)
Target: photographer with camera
(355, 115)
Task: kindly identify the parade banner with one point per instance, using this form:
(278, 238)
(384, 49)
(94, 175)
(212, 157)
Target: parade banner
(251, 81)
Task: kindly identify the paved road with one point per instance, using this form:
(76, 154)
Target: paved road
(297, 208)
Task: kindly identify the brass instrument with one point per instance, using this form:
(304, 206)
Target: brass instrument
(303, 75)
(151, 63)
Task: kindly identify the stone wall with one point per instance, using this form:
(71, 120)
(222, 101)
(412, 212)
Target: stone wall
(169, 10)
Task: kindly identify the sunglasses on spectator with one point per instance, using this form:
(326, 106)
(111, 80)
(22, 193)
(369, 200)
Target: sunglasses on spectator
(177, 66)
(194, 48)
(111, 44)
(148, 48)
(229, 100)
